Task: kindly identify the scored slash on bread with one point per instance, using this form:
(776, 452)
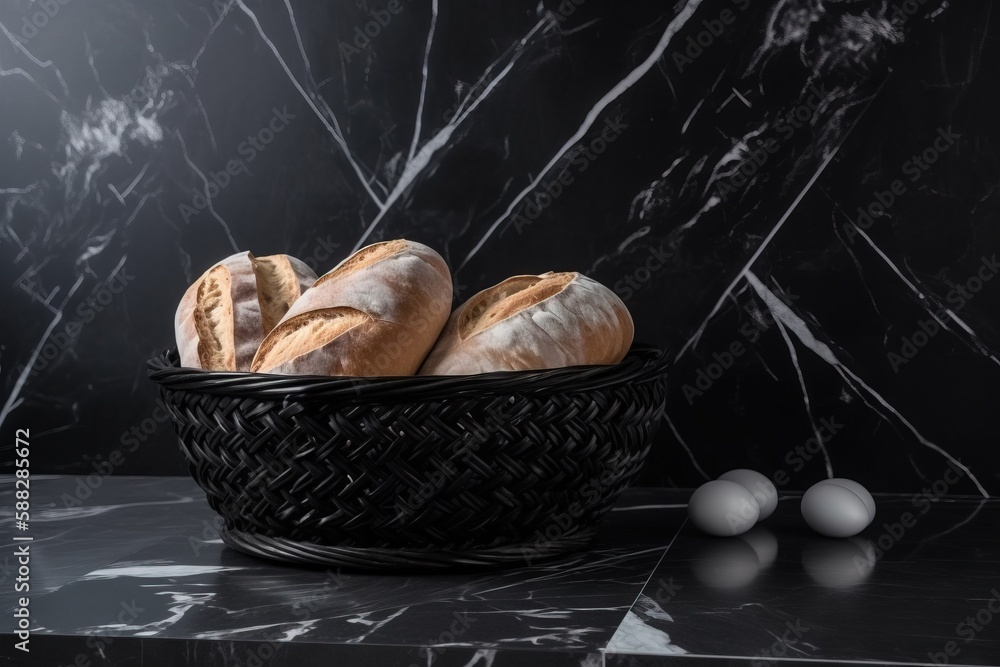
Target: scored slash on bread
(376, 313)
(213, 309)
(386, 310)
(280, 281)
(225, 314)
(531, 323)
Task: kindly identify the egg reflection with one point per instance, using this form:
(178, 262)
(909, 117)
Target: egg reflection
(734, 562)
(839, 563)
(764, 544)
(726, 564)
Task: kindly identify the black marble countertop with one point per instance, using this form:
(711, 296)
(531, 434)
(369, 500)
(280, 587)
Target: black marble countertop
(133, 573)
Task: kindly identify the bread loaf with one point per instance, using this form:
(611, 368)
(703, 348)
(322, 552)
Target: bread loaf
(225, 314)
(533, 322)
(376, 313)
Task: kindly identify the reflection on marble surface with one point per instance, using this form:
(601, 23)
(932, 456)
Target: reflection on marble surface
(189, 587)
(700, 157)
(652, 590)
(844, 564)
(77, 527)
(221, 594)
(637, 634)
(899, 592)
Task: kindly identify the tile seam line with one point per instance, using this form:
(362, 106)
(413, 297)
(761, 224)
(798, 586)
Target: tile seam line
(334, 644)
(666, 550)
(36, 596)
(819, 661)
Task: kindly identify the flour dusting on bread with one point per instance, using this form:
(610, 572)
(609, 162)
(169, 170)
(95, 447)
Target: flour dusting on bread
(305, 332)
(402, 292)
(387, 310)
(225, 314)
(531, 323)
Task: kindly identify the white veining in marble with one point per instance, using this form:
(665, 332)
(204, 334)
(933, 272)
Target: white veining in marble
(158, 571)
(635, 636)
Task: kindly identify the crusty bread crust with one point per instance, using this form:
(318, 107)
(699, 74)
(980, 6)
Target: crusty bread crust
(213, 320)
(277, 288)
(496, 304)
(309, 331)
(532, 323)
(226, 313)
(376, 313)
(185, 331)
(364, 257)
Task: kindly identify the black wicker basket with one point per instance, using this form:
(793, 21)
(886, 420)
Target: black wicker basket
(414, 473)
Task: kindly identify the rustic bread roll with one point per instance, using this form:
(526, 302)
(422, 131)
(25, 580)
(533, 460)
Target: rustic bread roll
(534, 322)
(226, 313)
(376, 313)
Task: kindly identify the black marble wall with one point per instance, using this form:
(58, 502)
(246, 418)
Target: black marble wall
(797, 198)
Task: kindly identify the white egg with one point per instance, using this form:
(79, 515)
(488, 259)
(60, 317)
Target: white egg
(723, 508)
(760, 486)
(859, 491)
(834, 511)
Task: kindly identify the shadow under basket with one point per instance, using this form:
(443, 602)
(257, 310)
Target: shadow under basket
(415, 473)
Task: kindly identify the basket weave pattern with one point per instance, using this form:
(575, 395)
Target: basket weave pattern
(421, 472)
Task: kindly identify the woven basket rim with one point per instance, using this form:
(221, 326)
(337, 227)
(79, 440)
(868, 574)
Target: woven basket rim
(643, 363)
